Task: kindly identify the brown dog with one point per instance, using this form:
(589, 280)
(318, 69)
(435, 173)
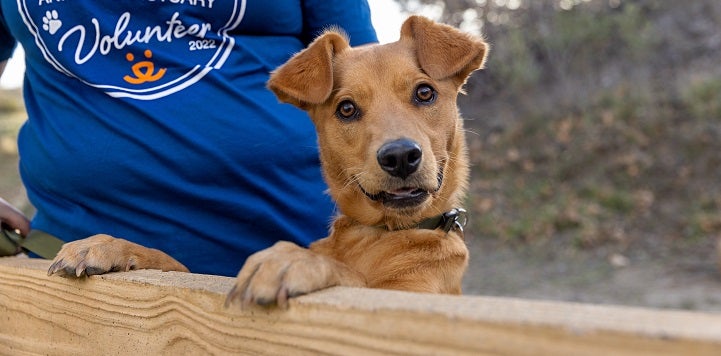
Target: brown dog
(393, 153)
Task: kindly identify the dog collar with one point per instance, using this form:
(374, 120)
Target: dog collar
(454, 219)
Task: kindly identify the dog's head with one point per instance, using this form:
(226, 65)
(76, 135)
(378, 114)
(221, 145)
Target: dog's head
(391, 141)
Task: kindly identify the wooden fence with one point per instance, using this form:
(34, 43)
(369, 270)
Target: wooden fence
(152, 312)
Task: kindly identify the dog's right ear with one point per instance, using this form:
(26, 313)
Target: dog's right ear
(307, 78)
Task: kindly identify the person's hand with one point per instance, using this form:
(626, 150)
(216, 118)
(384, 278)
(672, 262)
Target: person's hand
(13, 219)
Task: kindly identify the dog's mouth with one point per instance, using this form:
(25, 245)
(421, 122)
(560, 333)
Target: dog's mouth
(400, 198)
(405, 197)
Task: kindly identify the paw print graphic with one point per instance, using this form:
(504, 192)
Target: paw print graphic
(51, 22)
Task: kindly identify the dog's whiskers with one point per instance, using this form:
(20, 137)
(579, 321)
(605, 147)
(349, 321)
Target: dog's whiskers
(353, 179)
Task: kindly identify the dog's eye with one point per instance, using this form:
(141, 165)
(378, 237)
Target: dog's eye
(425, 94)
(346, 110)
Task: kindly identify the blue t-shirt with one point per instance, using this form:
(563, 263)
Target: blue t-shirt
(150, 120)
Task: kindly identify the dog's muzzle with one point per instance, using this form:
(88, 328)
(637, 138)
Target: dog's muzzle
(400, 159)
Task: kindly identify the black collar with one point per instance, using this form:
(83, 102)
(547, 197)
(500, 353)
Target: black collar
(454, 219)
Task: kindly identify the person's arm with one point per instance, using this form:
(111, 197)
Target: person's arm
(12, 218)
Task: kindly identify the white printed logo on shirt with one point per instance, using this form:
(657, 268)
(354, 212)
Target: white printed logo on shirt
(145, 50)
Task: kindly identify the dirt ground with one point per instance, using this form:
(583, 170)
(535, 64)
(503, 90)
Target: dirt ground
(685, 278)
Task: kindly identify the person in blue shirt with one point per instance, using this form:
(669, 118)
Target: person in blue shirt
(149, 120)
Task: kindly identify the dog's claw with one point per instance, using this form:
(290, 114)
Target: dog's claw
(282, 298)
(80, 269)
(232, 296)
(55, 267)
(238, 295)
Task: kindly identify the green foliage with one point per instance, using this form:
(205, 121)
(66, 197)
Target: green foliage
(703, 98)
(613, 200)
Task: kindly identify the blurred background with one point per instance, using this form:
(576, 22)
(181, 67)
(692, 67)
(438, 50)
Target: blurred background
(595, 141)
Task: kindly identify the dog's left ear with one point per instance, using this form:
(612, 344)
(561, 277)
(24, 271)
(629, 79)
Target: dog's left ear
(307, 78)
(444, 51)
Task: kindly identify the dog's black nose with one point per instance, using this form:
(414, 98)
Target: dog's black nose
(400, 158)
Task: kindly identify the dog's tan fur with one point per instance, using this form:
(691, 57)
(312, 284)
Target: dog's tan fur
(102, 253)
(371, 244)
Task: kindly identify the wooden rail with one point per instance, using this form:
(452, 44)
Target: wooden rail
(152, 312)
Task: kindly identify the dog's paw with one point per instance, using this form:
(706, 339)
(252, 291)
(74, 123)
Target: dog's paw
(97, 254)
(286, 270)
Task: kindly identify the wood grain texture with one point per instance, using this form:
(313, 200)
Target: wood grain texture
(152, 312)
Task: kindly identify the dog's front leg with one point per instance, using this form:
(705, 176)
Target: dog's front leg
(286, 270)
(100, 254)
